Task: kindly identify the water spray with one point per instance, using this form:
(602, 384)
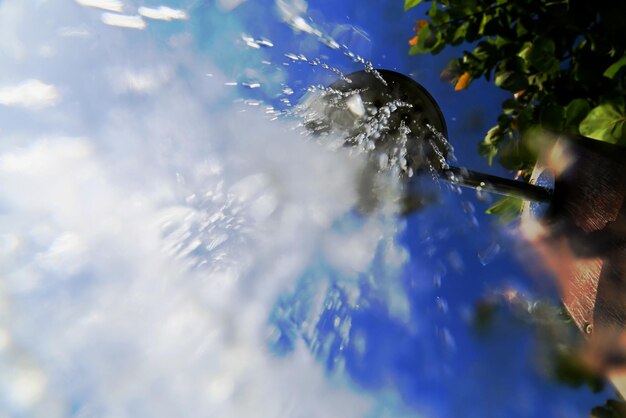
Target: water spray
(400, 113)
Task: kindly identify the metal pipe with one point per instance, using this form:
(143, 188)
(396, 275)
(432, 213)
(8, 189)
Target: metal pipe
(494, 184)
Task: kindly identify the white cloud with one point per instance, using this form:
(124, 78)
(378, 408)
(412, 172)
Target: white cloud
(229, 5)
(111, 5)
(124, 21)
(139, 80)
(74, 32)
(162, 13)
(33, 94)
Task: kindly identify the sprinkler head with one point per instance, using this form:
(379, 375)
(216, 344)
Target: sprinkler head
(384, 112)
(401, 126)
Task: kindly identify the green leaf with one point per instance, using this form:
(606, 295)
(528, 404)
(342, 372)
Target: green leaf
(575, 112)
(457, 36)
(501, 42)
(504, 122)
(511, 80)
(507, 209)
(606, 122)
(471, 34)
(433, 11)
(538, 80)
(483, 50)
(499, 24)
(611, 409)
(489, 146)
(483, 22)
(525, 120)
(416, 49)
(520, 30)
(570, 369)
(438, 16)
(510, 105)
(540, 54)
(488, 151)
(409, 4)
(516, 156)
(615, 67)
(552, 117)
(494, 135)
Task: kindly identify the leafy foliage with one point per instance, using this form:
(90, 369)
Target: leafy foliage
(564, 61)
(570, 370)
(611, 409)
(557, 352)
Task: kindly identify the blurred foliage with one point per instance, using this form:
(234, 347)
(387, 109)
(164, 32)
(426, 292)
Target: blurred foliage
(569, 369)
(558, 350)
(564, 62)
(611, 409)
(507, 209)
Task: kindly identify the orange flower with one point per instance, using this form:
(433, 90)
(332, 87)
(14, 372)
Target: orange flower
(462, 82)
(420, 24)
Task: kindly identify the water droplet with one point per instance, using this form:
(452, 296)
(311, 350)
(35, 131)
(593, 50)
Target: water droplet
(437, 280)
(482, 195)
(446, 339)
(468, 207)
(383, 160)
(442, 305)
(265, 42)
(251, 85)
(455, 261)
(487, 254)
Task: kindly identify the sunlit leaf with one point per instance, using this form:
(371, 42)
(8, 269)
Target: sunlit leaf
(458, 35)
(575, 112)
(540, 54)
(511, 80)
(489, 146)
(507, 209)
(483, 22)
(615, 67)
(606, 122)
(408, 4)
(562, 80)
(488, 151)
